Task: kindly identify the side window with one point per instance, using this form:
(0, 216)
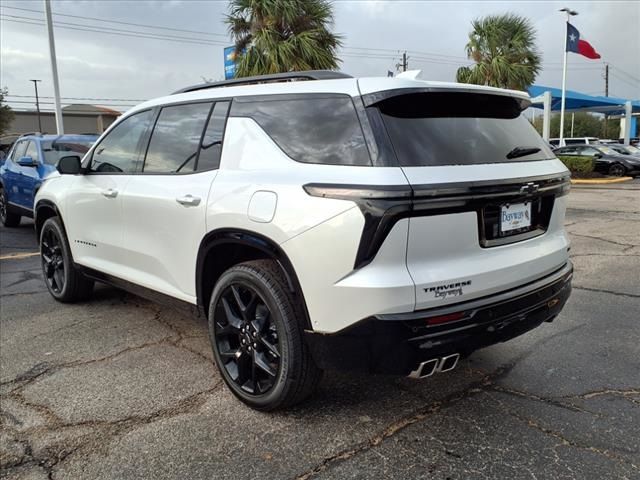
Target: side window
(32, 151)
(175, 138)
(118, 151)
(569, 151)
(18, 151)
(588, 151)
(310, 129)
(211, 148)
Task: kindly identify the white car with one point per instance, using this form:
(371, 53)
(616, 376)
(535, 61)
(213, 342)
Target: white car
(385, 225)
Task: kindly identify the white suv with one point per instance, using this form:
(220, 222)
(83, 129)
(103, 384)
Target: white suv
(385, 225)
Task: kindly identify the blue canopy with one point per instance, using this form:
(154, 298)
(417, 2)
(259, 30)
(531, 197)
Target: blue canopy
(580, 101)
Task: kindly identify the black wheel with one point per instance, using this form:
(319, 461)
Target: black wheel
(256, 334)
(63, 281)
(617, 170)
(9, 219)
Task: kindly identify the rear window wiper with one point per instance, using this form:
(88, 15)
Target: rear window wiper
(522, 151)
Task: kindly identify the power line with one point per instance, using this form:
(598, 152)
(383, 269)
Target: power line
(122, 23)
(135, 35)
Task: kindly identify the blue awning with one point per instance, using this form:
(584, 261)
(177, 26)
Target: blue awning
(580, 101)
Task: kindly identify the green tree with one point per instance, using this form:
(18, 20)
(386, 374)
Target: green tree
(584, 125)
(275, 36)
(6, 113)
(503, 48)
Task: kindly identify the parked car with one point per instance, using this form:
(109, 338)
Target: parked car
(607, 160)
(332, 223)
(31, 159)
(635, 141)
(625, 149)
(574, 141)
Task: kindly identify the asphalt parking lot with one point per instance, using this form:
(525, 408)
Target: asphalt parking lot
(119, 387)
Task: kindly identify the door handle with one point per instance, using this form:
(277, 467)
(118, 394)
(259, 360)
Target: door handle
(110, 193)
(188, 201)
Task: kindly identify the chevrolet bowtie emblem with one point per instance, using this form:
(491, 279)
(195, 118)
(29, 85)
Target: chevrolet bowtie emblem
(530, 188)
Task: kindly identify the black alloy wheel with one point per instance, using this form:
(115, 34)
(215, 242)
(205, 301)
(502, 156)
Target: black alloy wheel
(7, 218)
(64, 281)
(617, 170)
(256, 326)
(53, 261)
(247, 339)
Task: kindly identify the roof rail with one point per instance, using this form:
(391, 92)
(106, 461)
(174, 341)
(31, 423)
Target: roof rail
(276, 77)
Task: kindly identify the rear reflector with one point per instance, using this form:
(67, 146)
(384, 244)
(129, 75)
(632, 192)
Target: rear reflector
(452, 317)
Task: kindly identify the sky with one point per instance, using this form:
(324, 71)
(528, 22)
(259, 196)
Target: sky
(120, 70)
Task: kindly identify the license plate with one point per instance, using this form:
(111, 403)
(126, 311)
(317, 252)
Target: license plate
(515, 216)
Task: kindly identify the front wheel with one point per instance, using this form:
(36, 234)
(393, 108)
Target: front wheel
(9, 219)
(617, 170)
(256, 334)
(64, 282)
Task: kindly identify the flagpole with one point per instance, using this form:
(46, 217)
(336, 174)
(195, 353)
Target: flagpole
(569, 13)
(564, 83)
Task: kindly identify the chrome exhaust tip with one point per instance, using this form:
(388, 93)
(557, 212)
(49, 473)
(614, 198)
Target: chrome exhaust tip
(448, 363)
(425, 369)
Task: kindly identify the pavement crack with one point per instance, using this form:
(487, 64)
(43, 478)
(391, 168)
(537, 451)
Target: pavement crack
(610, 292)
(594, 237)
(548, 401)
(607, 391)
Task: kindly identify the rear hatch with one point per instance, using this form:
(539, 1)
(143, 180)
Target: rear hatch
(488, 194)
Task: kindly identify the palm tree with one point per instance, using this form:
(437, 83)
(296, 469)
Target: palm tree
(274, 36)
(503, 47)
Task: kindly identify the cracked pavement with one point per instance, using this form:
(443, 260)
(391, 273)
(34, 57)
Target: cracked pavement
(119, 387)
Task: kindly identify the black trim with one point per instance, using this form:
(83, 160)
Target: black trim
(398, 343)
(227, 236)
(138, 290)
(19, 209)
(383, 206)
(45, 204)
(377, 97)
(276, 77)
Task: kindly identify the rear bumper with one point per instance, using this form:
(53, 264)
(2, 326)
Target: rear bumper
(398, 343)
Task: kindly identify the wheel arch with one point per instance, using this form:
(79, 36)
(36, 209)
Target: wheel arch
(221, 249)
(44, 210)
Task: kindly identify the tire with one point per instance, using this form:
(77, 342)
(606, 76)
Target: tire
(273, 368)
(617, 170)
(9, 219)
(64, 282)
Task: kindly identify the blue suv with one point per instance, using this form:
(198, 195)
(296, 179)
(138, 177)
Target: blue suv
(29, 162)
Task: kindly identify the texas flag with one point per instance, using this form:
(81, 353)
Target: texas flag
(575, 45)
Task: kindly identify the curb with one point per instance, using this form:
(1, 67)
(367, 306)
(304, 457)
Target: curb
(599, 181)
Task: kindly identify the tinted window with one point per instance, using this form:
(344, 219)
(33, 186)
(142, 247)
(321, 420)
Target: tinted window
(32, 151)
(568, 151)
(118, 151)
(175, 138)
(311, 129)
(430, 129)
(575, 141)
(211, 147)
(54, 150)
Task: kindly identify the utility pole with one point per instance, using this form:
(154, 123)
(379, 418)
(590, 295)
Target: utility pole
(405, 62)
(35, 84)
(54, 67)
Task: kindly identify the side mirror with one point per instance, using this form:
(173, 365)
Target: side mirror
(69, 165)
(598, 155)
(27, 162)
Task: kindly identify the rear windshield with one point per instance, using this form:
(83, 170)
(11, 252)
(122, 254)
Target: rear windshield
(432, 129)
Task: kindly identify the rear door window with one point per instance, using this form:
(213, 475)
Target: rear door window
(433, 129)
(175, 139)
(320, 129)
